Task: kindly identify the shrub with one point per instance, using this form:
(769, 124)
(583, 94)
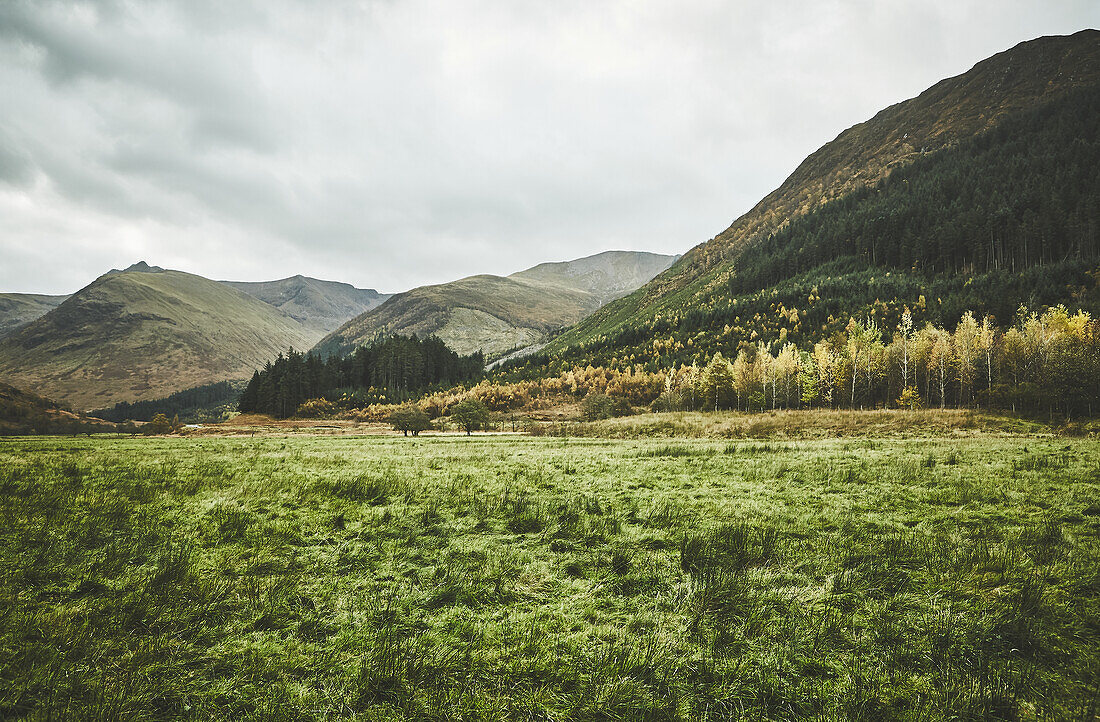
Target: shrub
(668, 401)
(315, 409)
(159, 425)
(909, 399)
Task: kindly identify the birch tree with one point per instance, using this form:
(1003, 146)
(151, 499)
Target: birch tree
(966, 345)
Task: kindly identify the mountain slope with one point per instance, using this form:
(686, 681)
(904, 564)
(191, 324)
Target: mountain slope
(495, 314)
(323, 305)
(134, 335)
(19, 309)
(606, 276)
(802, 234)
(316, 304)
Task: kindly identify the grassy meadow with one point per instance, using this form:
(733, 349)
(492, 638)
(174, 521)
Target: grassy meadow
(493, 578)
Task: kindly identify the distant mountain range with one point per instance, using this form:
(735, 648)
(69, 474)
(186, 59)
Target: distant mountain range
(144, 332)
(981, 194)
(318, 305)
(497, 314)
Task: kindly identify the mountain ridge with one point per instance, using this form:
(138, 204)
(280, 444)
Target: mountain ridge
(319, 304)
(316, 303)
(19, 309)
(497, 314)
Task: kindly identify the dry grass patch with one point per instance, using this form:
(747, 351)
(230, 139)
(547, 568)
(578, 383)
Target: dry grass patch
(810, 424)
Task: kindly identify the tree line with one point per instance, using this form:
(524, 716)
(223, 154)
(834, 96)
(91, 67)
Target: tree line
(1047, 362)
(388, 370)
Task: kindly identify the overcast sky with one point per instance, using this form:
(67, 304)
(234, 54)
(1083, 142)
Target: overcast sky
(395, 143)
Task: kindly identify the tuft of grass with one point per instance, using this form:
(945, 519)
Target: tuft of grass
(674, 451)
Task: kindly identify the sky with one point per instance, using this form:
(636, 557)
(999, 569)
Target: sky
(394, 143)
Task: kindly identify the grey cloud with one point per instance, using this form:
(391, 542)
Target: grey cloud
(16, 166)
(216, 84)
(400, 142)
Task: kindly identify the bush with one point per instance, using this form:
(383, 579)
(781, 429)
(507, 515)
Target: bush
(909, 399)
(315, 409)
(159, 425)
(668, 401)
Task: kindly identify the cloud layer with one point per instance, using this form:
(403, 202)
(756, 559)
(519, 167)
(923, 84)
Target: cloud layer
(399, 142)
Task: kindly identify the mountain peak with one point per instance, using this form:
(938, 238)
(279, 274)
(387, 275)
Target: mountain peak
(139, 267)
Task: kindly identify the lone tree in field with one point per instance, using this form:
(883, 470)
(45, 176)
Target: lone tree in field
(470, 415)
(159, 425)
(409, 418)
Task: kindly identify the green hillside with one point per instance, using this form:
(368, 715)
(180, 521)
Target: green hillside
(19, 309)
(22, 413)
(139, 335)
(316, 304)
(982, 193)
(495, 314)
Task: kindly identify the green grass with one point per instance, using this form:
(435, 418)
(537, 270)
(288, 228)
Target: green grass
(549, 579)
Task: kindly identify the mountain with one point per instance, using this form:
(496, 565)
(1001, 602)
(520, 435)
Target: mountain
(323, 305)
(318, 305)
(606, 276)
(138, 334)
(983, 192)
(19, 309)
(497, 314)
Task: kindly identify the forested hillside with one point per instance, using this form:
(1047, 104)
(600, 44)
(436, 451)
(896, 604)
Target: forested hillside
(997, 206)
(23, 412)
(209, 402)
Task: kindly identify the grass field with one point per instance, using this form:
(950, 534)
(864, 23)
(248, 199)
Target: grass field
(490, 578)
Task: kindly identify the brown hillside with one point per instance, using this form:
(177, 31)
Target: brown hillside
(139, 335)
(495, 314)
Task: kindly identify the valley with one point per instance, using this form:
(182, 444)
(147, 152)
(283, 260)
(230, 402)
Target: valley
(839, 462)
